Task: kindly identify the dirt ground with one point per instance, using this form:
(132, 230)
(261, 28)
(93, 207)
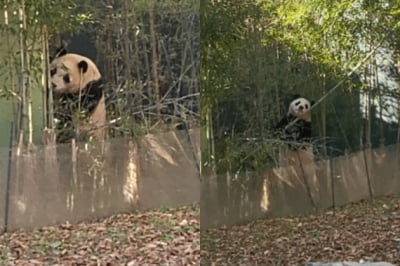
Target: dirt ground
(364, 231)
(162, 237)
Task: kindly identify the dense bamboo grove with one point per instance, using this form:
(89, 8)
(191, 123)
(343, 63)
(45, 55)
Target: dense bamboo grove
(148, 53)
(256, 53)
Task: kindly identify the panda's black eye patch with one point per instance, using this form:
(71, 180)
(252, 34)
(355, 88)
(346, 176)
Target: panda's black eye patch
(66, 78)
(53, 72)
(306, 106)
(297, 103)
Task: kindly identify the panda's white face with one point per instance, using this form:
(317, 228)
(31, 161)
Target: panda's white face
(300, 108)
(72, 72)
(63, 77)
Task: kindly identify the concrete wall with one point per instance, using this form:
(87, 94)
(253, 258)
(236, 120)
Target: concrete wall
(52, 185)
(300, 189)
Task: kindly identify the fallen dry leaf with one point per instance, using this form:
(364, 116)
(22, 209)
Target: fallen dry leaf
(362, 231)
(150, 238)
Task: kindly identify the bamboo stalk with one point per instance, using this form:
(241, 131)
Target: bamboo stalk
(22, 115)
(127, 53)
(29, 95)
(155, 63)
(15, 99)
(48, 111)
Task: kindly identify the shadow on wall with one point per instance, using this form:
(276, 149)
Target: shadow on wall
(50, 185)
(228, 200)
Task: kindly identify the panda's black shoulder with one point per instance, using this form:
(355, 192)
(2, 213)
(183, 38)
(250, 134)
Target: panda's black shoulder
(287, 119)
(92, 94)
(95, 85)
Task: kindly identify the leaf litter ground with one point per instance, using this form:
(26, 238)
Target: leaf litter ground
(364, 231)
(162, 237)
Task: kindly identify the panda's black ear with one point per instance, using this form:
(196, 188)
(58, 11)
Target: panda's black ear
(312, 102)
(61, 51)
(83, 65)
(294, 97)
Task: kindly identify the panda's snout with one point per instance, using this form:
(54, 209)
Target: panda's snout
(301, 107)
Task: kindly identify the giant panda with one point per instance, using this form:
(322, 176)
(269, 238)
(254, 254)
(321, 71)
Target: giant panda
(79, 101)
(296, 157)
(295, 127)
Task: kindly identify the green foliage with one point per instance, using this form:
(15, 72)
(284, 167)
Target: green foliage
(256, 53)
(137, 42)
(171, 5)
(331, 32)
(148, 52)
(56, 15)
(223, 36)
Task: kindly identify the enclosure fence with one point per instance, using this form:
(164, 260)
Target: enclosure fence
(300, 189)
(48, 185)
